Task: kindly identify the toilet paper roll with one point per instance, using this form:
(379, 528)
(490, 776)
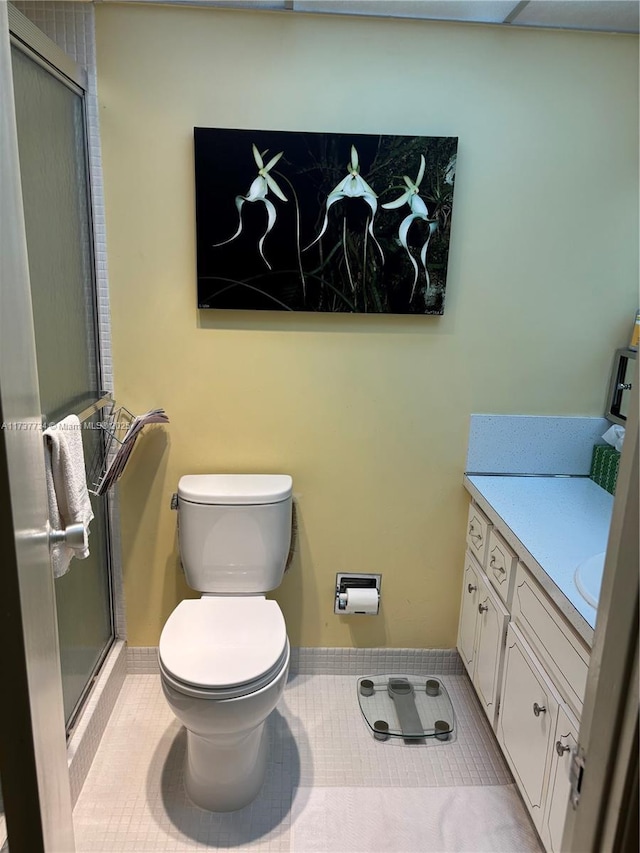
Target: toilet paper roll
(360, 600)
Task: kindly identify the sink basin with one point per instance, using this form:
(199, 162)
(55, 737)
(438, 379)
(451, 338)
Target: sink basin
(588, 578)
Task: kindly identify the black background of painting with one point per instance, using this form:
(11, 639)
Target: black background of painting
(232, 276)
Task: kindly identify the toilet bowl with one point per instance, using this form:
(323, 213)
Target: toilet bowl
(224, 658)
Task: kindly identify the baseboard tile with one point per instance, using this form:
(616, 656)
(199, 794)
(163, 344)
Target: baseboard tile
(143, 660)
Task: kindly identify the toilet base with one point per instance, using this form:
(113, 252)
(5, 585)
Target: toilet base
(225, 773)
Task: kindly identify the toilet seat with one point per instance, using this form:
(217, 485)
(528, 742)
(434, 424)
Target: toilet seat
(231, 693)
(223, 646)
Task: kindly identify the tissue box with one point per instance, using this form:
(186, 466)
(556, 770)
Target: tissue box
(604, 467)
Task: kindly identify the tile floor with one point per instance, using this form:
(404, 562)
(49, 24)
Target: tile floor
(330, 786)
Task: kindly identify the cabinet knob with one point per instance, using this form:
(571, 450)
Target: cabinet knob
(471, 588)
(539, 709)
(482, 608)
(492, 564)
(561, 748)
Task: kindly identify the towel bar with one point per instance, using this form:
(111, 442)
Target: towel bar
(83, 414)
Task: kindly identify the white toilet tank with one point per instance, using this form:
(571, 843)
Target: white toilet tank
(234, 531)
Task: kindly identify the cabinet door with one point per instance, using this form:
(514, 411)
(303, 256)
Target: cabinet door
(564, 742)
(493, 618)
(468, 614)
(527, 722)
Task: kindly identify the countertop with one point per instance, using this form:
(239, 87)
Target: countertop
(553, 524)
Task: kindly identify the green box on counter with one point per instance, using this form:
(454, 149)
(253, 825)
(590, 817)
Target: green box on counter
(604, 467)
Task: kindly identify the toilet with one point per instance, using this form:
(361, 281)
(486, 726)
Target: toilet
(224, 658)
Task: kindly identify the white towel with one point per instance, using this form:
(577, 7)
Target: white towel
(66, 487)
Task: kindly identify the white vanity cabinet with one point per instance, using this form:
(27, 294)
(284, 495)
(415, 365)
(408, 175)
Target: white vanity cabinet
(528, 666)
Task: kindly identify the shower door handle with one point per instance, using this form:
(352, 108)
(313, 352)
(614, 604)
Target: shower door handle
(74, 536)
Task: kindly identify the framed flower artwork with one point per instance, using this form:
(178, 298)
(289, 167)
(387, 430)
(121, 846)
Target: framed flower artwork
(333, 222)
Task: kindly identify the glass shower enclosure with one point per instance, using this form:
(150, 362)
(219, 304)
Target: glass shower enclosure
(52, 144)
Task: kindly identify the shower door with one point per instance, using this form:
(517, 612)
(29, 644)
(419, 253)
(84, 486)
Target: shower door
(54, 176)
(33, 756)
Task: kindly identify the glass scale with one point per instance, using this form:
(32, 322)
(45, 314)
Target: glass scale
(409, 707)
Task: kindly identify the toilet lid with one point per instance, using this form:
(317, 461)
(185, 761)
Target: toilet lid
(223, 641)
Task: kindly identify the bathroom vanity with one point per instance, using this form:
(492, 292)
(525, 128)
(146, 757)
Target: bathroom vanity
(526, 630)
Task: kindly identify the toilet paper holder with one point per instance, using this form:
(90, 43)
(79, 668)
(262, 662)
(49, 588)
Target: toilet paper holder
(345, 581)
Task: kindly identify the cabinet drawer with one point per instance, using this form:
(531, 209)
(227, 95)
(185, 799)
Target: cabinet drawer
(501, 564)
(478, 527)
(527, 722)
(561, 651)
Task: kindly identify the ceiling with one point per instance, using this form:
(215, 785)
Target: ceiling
(608, 15)
(616, 16)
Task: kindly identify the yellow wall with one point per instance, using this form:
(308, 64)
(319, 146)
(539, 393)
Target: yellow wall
(369, 414)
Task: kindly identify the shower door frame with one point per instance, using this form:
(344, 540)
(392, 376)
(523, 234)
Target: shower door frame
(37, 46)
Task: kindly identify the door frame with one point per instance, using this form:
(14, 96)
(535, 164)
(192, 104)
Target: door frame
(606, 815)
(33, 755)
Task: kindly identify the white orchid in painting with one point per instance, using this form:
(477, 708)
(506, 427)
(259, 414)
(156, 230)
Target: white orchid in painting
(353, 186)
(450, 171)
(258, 190)
(418, 210)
